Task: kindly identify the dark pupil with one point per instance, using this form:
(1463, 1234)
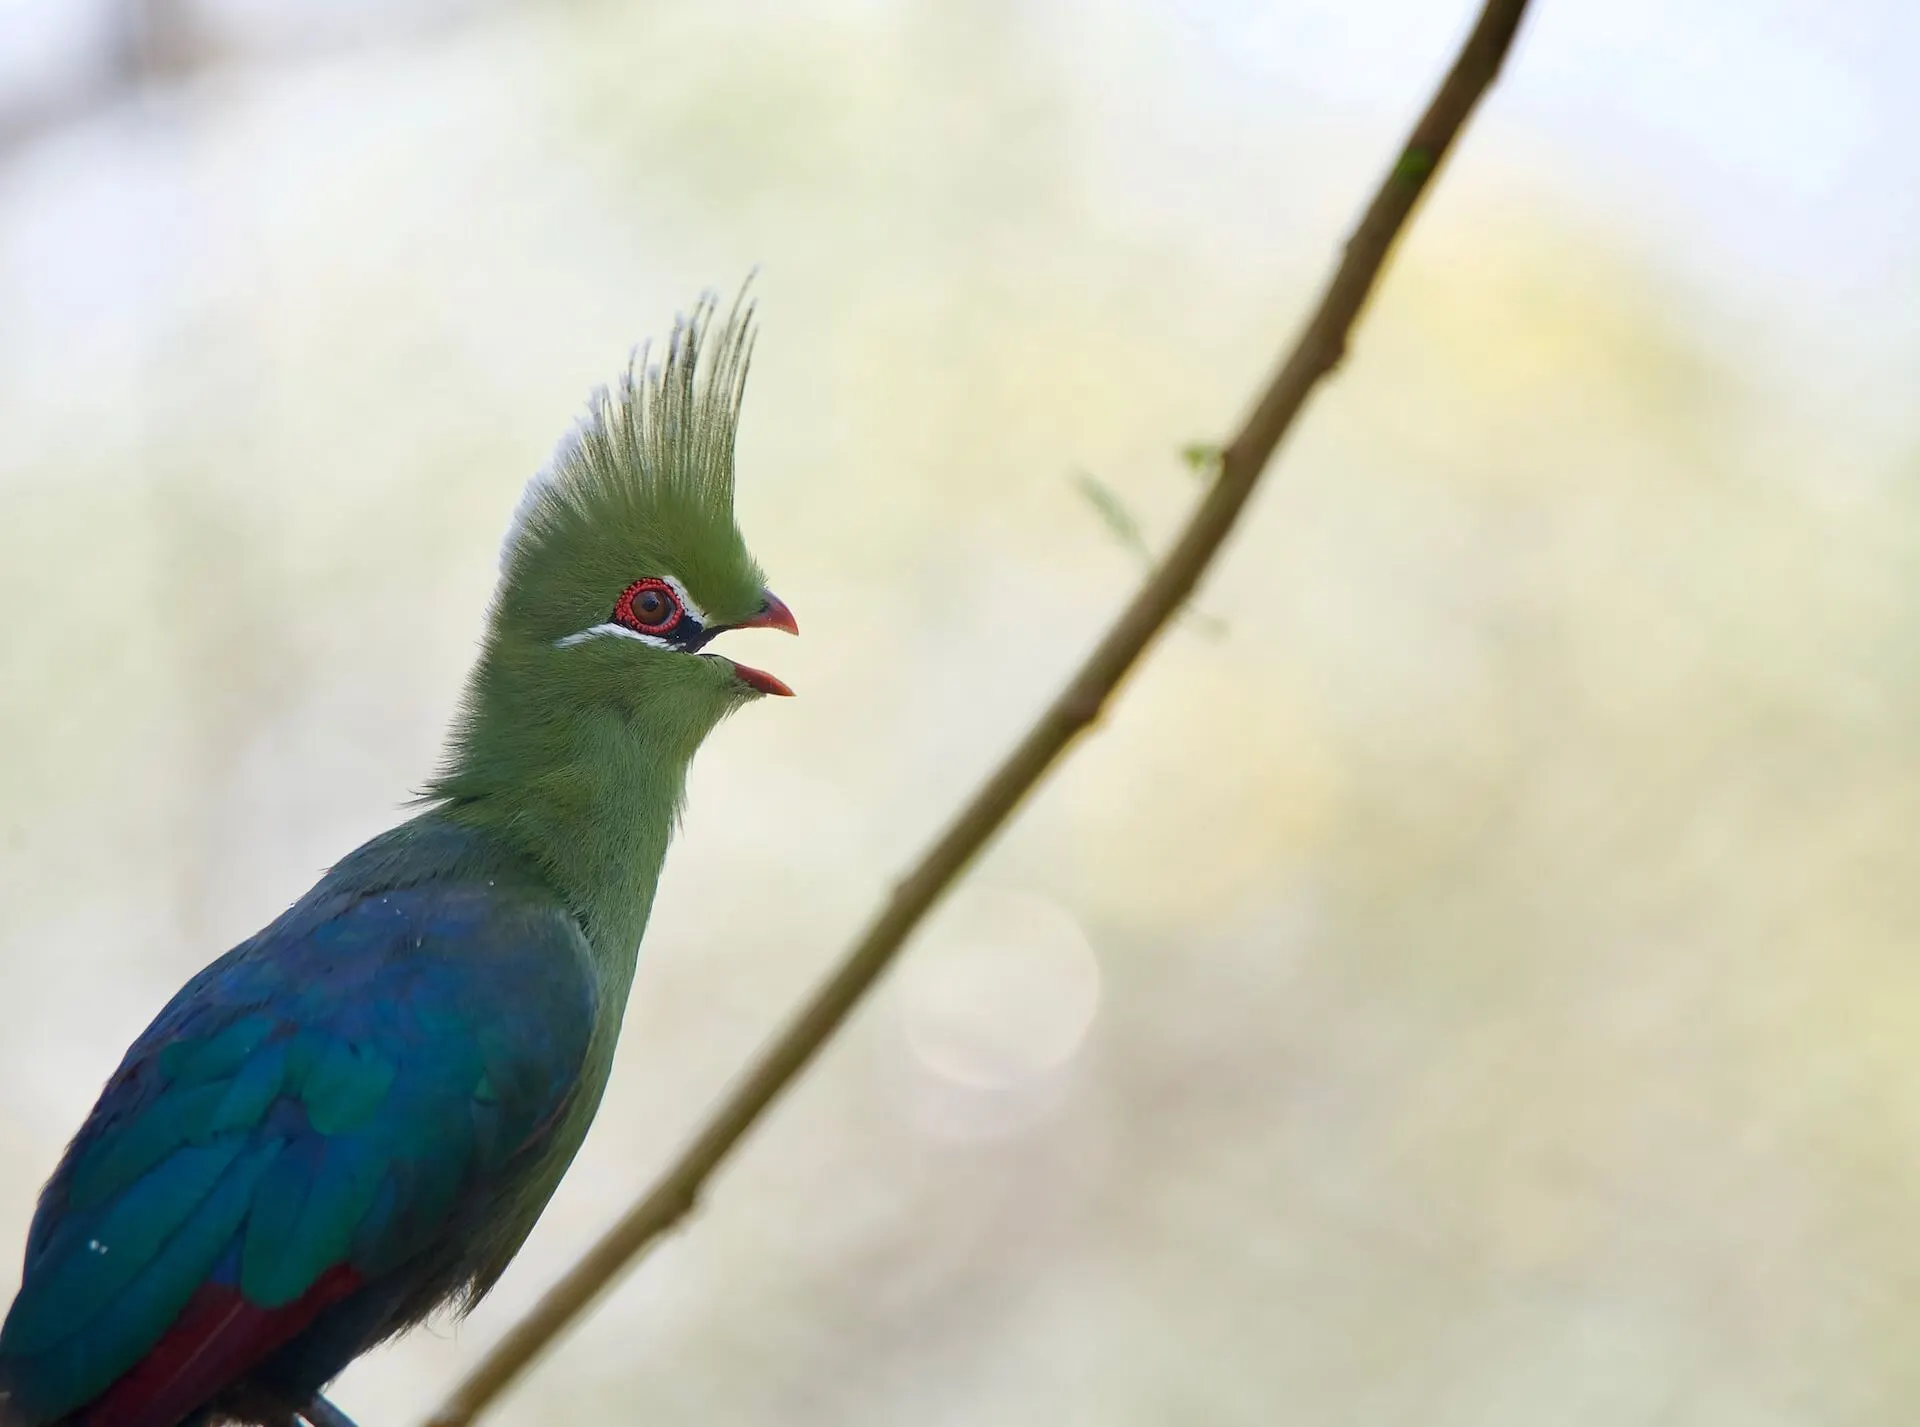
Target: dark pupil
(651, 606)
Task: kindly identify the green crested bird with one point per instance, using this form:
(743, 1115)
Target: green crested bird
(357, 1115)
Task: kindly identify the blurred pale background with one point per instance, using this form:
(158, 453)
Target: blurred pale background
(1474, 975)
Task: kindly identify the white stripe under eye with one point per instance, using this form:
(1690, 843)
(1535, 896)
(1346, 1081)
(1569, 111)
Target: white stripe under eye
(620, 630)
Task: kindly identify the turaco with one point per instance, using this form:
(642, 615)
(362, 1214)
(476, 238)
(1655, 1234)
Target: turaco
(355, 1117)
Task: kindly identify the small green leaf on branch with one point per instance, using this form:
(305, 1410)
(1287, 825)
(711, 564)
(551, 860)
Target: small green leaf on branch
(1120, 521)
(1202, 458)
(1114, 513)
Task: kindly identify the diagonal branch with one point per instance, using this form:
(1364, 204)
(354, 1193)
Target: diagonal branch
(1317, 351)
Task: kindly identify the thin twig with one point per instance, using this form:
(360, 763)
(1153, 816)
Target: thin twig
(1317, 351)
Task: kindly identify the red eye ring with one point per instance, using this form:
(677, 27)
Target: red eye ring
(634, 616)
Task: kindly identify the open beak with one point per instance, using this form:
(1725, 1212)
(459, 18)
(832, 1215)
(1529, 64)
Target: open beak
(773, 614)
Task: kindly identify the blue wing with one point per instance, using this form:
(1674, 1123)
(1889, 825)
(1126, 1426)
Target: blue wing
(332, 1105)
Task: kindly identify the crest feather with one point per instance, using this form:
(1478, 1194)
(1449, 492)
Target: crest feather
(662, 436)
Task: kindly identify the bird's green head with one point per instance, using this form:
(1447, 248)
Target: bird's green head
(622, 563)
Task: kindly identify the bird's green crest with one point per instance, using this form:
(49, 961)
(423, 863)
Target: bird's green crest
(642, 486)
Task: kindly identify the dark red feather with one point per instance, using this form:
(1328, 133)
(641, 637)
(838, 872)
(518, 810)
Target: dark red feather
(215, 1340)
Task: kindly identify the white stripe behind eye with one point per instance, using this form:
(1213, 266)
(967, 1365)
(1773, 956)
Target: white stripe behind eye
(689, 609)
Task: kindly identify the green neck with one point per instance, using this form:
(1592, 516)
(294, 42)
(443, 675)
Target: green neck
(592, 799)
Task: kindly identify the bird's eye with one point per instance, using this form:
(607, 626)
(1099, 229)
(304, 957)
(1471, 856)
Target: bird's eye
(649, 606)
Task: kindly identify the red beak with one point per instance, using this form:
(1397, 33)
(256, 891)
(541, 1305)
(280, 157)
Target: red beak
(774, 614)
(761, 680)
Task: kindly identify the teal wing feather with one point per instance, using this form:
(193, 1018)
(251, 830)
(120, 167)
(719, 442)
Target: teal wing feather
(332, 1109)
